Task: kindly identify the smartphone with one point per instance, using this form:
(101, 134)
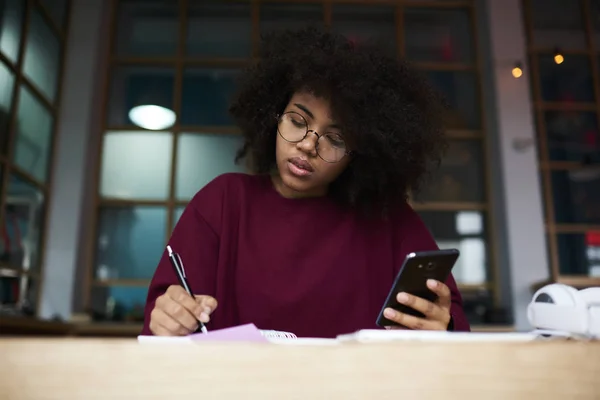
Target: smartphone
(412, 278)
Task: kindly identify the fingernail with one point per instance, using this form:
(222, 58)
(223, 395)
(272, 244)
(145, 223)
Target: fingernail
(207, 310)
(433, 283)
(204, 317)
(389, 313)
(402, 297)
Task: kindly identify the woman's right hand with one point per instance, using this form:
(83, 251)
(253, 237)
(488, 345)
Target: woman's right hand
(176, 313)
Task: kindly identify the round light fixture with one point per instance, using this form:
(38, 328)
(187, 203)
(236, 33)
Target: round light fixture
(517, 70)
(152, 117)
(558, 57)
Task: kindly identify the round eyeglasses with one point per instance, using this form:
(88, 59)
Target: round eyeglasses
(293, 128)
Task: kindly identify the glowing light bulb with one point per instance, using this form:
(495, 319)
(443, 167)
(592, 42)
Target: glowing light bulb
(558, 57)
(152, 117)
(517, 72)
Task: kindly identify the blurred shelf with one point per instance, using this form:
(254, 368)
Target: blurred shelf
(102, 329)
(20, 326)
(476, 287)
(17, 325)
(578, 282)
(493, 328)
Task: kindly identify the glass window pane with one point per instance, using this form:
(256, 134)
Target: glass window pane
(558, 23)
(461, 91)
(467, 232)
(57, 10)
(366, 23)
(461, 175)
(567, 82)
(7, 83)
(136, 165)
(136, 86)
(9, 294)
(202, 157)
(18, 295)
(231, 20)
(572, 136)
(438, 35)
(177, 214)
(33, 146)
(24, 211)
(594, 11)
(579, 253)
(147, 28)
(480, 309)
(206, 96)
(11, 22)
(42, 56)
(130, 242)
(576, 195)
(118, 303)
(276, 16)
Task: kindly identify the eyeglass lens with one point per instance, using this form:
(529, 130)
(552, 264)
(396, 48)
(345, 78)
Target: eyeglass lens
(293, 128)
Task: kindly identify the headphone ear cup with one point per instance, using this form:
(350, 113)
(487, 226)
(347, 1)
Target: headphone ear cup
(558, 307)
(592, 298)
(560, 294)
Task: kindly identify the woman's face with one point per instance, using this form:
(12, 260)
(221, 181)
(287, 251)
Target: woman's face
(307, 167)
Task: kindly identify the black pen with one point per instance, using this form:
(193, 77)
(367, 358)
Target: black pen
(177, 264)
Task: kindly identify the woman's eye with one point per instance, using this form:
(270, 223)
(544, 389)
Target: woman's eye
(336, 141)
(298, 124)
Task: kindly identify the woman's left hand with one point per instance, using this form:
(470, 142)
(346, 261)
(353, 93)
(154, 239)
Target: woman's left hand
(437, 315)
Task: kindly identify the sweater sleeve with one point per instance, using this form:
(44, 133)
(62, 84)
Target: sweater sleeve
(414, 236)
(196, 240)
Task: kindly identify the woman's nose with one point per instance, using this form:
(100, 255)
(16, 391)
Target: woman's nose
(309, 143)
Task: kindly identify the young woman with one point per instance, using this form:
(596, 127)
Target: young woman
(337, 134)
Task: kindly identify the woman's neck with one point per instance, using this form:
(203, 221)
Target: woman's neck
(289, 193)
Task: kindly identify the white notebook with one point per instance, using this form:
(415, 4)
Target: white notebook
(395, 335)
(241, 333)
(250, 333)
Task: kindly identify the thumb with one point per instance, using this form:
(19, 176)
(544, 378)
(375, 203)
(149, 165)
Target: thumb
(208, 304)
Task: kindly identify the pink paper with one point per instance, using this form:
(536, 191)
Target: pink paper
(241, 333)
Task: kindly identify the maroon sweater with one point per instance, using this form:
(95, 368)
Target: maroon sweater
(306, 266)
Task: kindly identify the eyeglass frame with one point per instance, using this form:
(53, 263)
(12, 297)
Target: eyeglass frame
(319, 136)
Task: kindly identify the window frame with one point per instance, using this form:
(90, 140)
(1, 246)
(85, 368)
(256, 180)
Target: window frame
(546, 166)
(8, 167)
(180, 61)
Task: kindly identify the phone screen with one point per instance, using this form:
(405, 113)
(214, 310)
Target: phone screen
(412, 278)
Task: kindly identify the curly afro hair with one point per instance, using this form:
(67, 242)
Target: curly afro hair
(391, 118)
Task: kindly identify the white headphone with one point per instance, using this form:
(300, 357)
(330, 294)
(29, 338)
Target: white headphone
(558, 307)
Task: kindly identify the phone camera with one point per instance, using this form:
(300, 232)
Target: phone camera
(430, 266)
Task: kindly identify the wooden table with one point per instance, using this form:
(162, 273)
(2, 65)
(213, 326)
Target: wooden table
(25, 326)
(87, 369)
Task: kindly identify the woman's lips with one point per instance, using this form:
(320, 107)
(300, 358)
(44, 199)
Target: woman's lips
(299, 167)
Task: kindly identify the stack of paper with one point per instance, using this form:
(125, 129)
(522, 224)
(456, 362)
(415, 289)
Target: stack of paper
(393, 335)
(250, 333)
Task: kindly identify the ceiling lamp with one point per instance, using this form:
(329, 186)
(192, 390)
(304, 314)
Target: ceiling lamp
(152, 117)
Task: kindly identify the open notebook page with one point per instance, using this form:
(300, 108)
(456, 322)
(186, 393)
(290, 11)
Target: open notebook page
(242, 333)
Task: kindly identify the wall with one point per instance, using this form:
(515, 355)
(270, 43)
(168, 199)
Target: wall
(78, 119)
(517, 205)
(520, 196)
